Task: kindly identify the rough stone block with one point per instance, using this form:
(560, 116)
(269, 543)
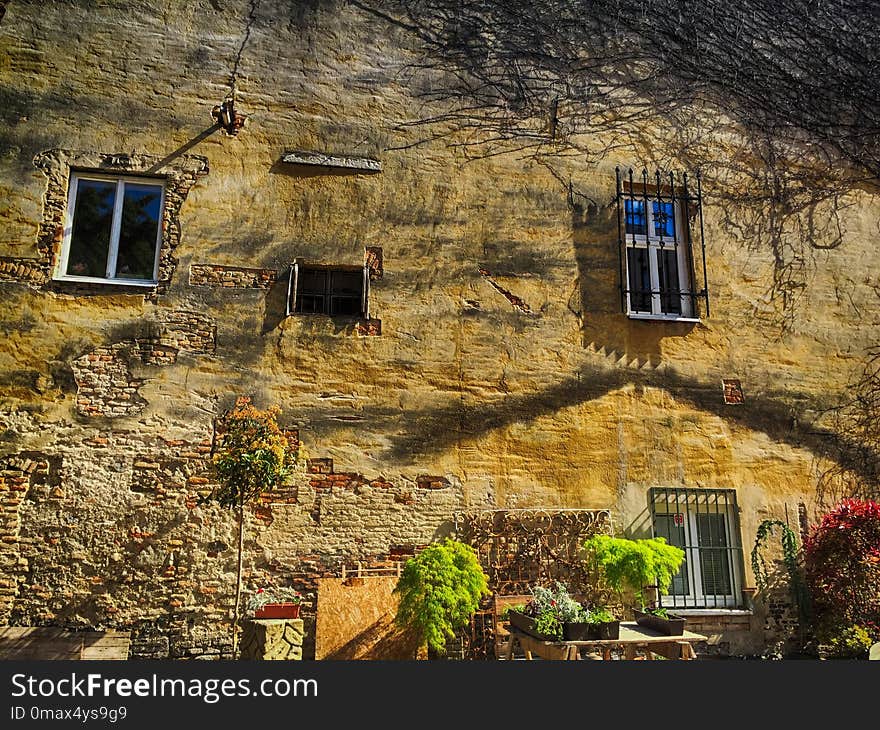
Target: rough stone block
(273, 639)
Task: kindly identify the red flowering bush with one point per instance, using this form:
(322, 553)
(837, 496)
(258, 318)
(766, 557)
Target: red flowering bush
(842, 564)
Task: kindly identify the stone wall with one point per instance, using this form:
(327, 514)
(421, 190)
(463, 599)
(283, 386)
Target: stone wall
(496, 369)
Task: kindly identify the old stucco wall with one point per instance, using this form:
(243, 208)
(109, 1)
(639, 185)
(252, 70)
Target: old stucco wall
(466, 399)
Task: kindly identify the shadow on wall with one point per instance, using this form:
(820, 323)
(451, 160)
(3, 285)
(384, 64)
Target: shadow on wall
(306, 171)
(605, 329)
(779, 414)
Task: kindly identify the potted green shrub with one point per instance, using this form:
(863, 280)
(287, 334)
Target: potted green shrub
(631, 566)
(439, 590)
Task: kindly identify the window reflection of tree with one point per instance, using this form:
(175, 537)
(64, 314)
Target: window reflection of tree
(137, 235)
(92, 221)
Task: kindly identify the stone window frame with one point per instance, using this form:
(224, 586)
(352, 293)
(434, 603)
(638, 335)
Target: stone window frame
(179, 173)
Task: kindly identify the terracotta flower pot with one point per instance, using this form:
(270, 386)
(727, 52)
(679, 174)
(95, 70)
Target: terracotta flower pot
(278, 610)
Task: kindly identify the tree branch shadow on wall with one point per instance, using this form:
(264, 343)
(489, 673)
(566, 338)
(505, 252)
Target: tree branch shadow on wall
(779, 414)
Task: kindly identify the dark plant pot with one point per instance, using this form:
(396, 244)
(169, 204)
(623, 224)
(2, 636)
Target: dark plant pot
(605, 630)
(672, 626)
(527, 624)
(278, 610)
(576, 631)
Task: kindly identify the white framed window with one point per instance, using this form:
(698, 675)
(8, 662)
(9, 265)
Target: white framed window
(338, 291)
(705, 524)
(112, 230)
(657, 270)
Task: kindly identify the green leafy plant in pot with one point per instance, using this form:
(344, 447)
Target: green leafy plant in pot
(602, 623)
(629, 565)
(552, 614)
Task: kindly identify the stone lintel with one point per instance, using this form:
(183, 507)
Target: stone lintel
(322, 159)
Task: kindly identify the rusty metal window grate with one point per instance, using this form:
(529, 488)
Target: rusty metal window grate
(705, 524)
(657, 222)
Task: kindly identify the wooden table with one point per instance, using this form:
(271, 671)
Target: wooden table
(633, 640)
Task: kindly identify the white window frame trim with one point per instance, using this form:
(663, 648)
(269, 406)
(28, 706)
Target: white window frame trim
(113, 251)
(651, 242)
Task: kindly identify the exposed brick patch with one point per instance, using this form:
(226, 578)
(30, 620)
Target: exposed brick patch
(105, 385)
(180, 175)
(142, 553)
(29, 271)
(231, 276)
(369, 327)
(401, 552)
(430, 482)
(510, 296)
(345, 480)
(374, 261)
(320, 466)
(188, 331)
(17, 474)
(166, 478)
(153, 353)
(733, 393)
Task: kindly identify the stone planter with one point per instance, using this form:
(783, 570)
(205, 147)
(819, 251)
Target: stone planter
(272, 640)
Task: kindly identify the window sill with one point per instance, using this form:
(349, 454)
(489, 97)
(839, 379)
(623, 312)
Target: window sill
(105, 282)
(710, 611)
(663, 318)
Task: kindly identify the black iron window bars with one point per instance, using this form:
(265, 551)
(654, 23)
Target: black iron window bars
(657, 221)
(340, 291)
(705, 524)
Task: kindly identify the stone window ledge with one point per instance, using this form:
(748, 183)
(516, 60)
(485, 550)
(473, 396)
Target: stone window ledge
(695, 612)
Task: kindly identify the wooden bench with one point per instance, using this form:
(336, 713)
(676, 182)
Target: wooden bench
(49, 642)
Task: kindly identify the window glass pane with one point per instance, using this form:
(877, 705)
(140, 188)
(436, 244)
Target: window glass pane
(670, 294)
(328, 291)
(310, 303)
(138, 232)
(639, 279)
(714, 558)
(312, 281)
(663, 220)
(92, 220)
(346, 288)
(311, 289)
(635, 216)
(672, 528)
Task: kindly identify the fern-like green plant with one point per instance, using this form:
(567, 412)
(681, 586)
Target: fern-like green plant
(634, 565)
(439, 590)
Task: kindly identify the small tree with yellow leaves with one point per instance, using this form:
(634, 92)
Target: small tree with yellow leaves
(251, 455)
